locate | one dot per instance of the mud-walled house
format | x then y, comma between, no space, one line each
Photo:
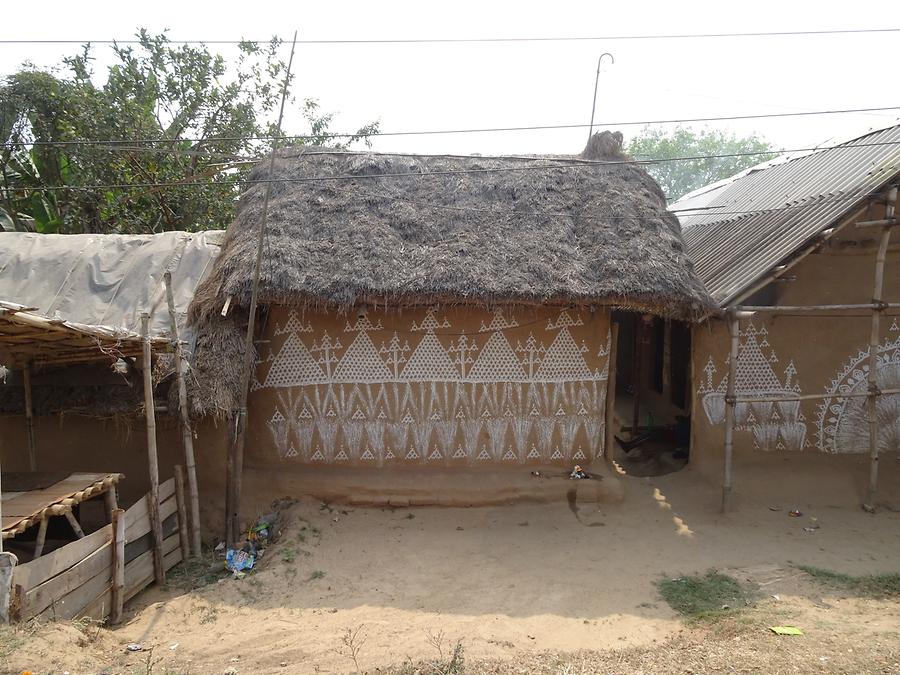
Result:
793,248
428,316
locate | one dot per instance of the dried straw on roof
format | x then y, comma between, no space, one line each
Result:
346,228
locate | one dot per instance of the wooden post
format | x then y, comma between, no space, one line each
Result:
118,566
874,341
187,437
29,418
182,511
41,538
111,502
636,373
234,465
609,441
667,361
730,403
159,572
76,526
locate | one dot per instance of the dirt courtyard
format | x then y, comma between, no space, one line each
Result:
524,581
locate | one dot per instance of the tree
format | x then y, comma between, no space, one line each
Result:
719,155
167,114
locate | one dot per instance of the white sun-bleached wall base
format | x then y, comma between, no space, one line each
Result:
430,387
810,354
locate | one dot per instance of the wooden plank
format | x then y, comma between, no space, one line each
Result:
152,458
99,608
72,604
117,597
38,571
144,543
139,572
139,509
137,529
182,511
41,597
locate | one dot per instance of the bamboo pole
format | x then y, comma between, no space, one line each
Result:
111,502
636,373
874,341
187,438
235,461
41,538
808,397
797,309
159,572
29,417
734,332
118,566
609,440
182,511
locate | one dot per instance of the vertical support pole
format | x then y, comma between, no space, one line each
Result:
874,341
730,403
8,562
637,372
111,502
29,418
187,437
667,360
234,466
182,512
41,537
118,565
609,440
159,572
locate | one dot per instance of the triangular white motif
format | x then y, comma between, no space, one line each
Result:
435,416
341,456
582,410
317,456
508,413
412,454
534,411
564,360
497,362
435,454
389,454
460,415
483,454
382,415
564,320
277,417
367,454
560,412
330,412
430,322
293,325
291,452
556,454
429,361
510,455
533,453
294,366
498,322
305,414
486,413
361,362
358,415
579,454
460,453
407,419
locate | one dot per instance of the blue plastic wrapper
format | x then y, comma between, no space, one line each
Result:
238,561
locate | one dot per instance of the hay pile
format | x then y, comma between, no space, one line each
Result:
400,229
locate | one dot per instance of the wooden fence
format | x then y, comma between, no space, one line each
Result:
85,578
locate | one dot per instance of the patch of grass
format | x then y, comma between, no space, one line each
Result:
410,516
317,574
706,596
868,585
195,573
288,555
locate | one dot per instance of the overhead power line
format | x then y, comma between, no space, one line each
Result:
544,127
469,40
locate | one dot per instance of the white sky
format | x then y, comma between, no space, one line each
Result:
452,86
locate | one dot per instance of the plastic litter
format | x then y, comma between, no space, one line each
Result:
238,561
134,647
785,630
578,473
795,513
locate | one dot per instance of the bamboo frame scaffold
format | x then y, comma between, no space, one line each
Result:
875,309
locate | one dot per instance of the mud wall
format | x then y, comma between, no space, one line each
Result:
822,354
430,387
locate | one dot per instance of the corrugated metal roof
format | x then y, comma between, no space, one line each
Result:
736,231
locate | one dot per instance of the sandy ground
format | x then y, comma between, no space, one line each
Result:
508,581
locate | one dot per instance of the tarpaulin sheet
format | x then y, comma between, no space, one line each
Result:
105,280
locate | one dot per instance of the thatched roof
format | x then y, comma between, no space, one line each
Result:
390,229
401,229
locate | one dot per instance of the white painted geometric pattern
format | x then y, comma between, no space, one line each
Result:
294,366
